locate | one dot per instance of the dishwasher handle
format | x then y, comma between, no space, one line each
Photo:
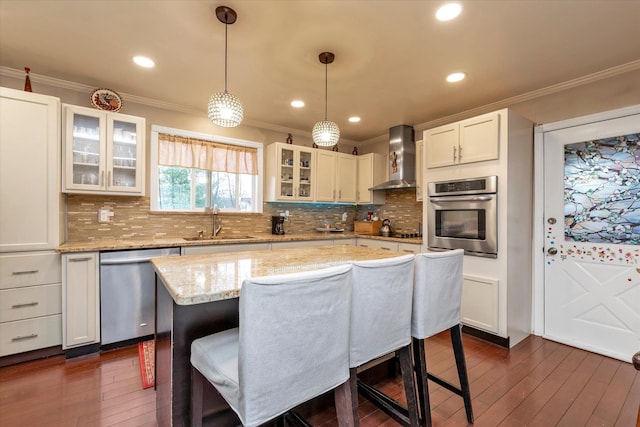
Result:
125,261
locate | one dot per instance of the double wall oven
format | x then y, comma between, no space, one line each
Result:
462,214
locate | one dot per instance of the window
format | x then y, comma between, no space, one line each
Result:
192,171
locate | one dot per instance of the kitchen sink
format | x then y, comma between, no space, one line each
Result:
222,239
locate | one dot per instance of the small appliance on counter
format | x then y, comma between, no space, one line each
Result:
277,225
386,230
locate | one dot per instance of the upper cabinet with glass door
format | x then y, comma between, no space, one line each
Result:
103,152
290,173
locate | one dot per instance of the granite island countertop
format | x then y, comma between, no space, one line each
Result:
196,279
144,243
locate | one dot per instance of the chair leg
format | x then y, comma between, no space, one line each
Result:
458,351
353,390
409,385
420,367
343,398
197,392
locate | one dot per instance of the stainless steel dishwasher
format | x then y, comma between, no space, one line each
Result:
127,293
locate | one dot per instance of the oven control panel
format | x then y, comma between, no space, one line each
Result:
483,185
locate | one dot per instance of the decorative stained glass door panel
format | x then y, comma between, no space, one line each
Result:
592,236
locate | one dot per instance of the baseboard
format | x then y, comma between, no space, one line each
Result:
28,356
486,336
70,353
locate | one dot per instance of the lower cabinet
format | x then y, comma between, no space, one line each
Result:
480,303
378,244
30,302
81,299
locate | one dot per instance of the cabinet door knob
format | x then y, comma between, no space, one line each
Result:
552,251
454,153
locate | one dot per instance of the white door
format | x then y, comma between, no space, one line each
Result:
592,234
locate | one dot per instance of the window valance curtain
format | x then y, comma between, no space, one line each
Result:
207,155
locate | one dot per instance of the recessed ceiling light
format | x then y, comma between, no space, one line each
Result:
354,119
297,104
456,77
448,11
143,61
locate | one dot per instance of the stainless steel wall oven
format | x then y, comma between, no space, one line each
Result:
462,214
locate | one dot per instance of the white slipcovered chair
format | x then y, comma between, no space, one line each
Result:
380,325
291,345
437,296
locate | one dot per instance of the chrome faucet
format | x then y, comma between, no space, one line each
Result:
214,213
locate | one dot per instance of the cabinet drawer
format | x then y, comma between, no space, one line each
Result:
29,269
378,244
31,334
33,301
410,248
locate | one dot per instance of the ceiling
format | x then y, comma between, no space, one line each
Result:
392,56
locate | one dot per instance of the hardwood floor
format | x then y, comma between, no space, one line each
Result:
537,383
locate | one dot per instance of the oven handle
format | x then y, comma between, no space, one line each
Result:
461,199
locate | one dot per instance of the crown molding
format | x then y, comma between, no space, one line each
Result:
538,93
81,87
590,78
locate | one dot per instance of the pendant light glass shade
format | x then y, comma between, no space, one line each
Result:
225,109
325,133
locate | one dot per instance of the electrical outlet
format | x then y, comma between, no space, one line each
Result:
104,215
344,217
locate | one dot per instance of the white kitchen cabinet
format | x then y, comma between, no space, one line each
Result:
493,302
378,244
325,176
479,306
371,171
290,173
80,299
346,178
30,301
29,171
419,174
216,249
467,141
104,153
336,176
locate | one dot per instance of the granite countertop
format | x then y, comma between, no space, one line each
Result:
196,279
121,244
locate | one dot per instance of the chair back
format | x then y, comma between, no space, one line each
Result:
437,292
294,339
380,307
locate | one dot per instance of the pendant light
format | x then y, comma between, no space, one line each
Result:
326,133
225,109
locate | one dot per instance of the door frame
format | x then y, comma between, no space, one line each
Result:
538,321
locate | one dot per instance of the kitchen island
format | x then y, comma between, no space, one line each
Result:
197,295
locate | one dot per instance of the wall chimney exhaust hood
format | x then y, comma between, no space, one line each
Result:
401,160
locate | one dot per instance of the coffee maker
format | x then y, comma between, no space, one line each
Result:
277,225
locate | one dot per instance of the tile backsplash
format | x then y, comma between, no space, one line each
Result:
132,218
400,207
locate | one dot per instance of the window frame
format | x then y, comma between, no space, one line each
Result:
153,169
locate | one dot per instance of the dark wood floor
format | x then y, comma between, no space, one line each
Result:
537,383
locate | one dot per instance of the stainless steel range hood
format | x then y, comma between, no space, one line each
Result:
402,159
